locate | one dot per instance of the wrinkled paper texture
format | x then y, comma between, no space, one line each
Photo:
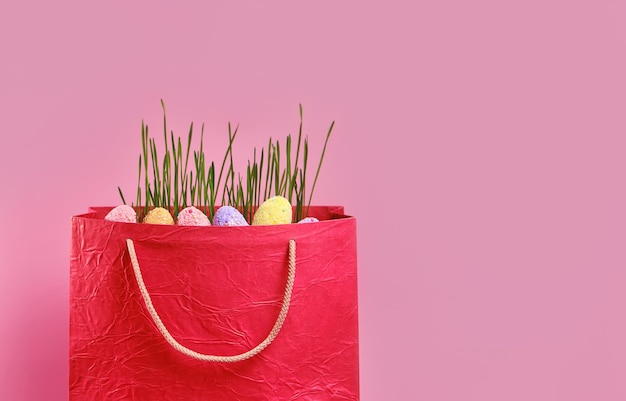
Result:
218,290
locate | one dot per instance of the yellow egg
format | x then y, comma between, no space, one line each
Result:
276,210
159,215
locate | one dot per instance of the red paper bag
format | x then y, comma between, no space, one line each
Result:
154,309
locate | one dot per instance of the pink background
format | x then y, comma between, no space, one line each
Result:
480,144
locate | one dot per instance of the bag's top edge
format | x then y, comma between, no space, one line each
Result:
323,213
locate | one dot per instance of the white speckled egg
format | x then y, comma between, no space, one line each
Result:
122,214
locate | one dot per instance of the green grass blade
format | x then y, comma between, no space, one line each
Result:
144,147
231,138
268,174
319,166
277,169
138,198
121,195
288,183
293,183
211,187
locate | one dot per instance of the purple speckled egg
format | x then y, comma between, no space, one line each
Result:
122,214
228,216
309,220
192,216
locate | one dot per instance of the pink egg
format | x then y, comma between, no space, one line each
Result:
122,214
192,216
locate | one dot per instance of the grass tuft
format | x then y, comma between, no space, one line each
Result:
169,183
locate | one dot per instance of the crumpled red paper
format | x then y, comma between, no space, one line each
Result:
219,291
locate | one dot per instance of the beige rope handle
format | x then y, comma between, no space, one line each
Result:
217,358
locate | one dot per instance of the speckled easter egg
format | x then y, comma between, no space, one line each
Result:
159,215
192,216
276,210
309,220
122,214
228,216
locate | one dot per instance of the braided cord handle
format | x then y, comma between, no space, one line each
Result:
216,358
